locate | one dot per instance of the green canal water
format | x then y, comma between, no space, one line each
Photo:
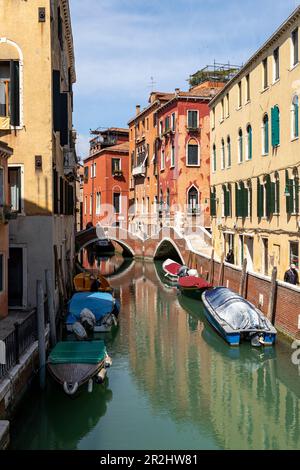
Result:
174,383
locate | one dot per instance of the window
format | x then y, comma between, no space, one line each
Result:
222,110
267,192
167,123
249,142
115,165
295,47
277,194
240,145
265,73
172,155
292,193
294,254
161,128
276,64
226,201
173,122
213,202
265,134
117,202
168,201
242,194
147,124
239,94
162,162
214,158
86,173
9,94
98,203
192,120
275,117
193,153
15,185
295,117
228,152
213,118
193,200
1,272
85,205
91,204
2,188
94,170
247,88
222,154
227,100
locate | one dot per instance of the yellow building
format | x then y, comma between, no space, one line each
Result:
255,155
36,77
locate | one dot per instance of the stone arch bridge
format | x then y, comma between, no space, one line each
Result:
167,242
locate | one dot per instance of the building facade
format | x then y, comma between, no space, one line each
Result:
106,180
184,157
5,214
143,147
255,151
37,73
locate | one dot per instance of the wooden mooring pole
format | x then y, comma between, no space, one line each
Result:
242,290
41,332
51,309
211,274
221,273
272,298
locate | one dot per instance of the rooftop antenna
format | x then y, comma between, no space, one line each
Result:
151,85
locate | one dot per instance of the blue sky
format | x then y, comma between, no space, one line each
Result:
121,44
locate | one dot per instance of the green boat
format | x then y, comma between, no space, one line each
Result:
73,364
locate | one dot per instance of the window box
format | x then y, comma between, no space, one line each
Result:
6,214
118,173
193,129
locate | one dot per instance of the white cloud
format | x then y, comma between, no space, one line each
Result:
82,145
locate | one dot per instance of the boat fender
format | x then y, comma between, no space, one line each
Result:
193,272
90,386
100,377
108,361
79,331
114,320
70,388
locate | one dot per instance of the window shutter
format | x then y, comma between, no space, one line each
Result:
64,125
237,201
14,93
213,211
289,198
227,196
268,196
260,195
297,195
275,126
56,99
245,202
277,189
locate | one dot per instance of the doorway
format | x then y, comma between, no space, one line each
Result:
16,279
265,260
249,254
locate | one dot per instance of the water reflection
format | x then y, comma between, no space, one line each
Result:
175,383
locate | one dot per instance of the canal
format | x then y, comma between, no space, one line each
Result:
174,383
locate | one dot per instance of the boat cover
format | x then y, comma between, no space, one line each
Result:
78,352
99,303
193,281
236,311
172,268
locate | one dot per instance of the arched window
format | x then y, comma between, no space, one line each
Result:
295,117
249,142
193,200
292,192
228,152
222,154
193,153
214,158
240,145
265,134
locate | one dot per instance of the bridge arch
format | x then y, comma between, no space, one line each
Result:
166,248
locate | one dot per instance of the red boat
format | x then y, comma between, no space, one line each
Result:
193,286
171,268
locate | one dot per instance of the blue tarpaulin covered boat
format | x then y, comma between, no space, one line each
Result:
235,318
103,306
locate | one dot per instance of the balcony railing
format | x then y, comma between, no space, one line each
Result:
139,170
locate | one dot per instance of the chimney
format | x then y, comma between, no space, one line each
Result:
177,90
138,109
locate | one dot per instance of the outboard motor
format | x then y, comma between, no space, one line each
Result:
88,320
183,271
79,331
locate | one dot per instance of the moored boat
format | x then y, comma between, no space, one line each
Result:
236,319
193,286
83,282
96,311
74,363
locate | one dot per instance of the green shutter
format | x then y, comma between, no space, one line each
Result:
245,202
237,202
213,211
14,93
260,195
227,195
268,196
273,127
289,197
275,114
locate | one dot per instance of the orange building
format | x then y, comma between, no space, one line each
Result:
143,164
184,156
5,213
106,179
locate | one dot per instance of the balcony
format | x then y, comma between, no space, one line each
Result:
139,170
